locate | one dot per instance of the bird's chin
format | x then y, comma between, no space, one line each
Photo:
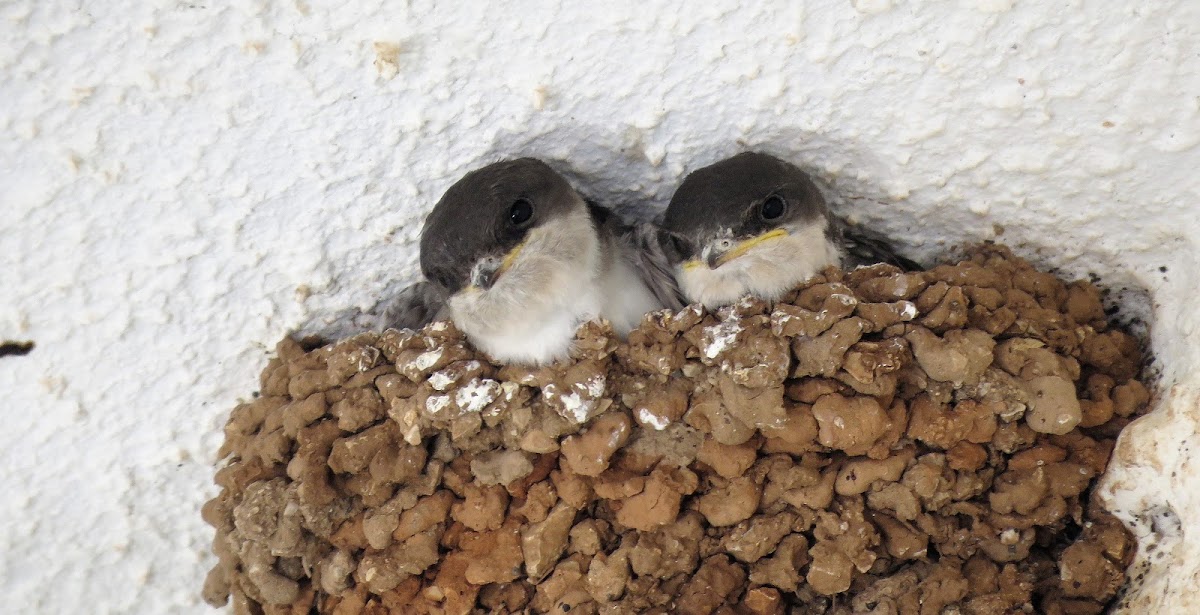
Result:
476,309
712,288
543,293
512,325
767,270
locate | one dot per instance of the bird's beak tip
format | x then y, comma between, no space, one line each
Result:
741,248
488,271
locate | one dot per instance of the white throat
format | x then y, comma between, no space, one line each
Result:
767,270
564,276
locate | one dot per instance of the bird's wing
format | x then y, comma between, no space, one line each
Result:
864,246
651,252
414,307
648,248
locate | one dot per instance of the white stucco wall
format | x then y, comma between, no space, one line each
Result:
182,182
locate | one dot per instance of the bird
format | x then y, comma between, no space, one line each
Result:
517,259
756,225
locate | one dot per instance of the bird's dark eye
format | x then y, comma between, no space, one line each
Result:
773,207
520,212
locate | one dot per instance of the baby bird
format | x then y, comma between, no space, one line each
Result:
756,225
517,259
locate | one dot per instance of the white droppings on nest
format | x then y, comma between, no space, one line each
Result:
844,299
646,417
663,364
1013,411
908,309
368,356
899,283
574,406
595,386
720,337
440,380
1009,537
436,403
509,390
427,359
580,403
410,423
475,395
779,321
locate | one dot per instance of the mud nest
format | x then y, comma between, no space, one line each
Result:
875,442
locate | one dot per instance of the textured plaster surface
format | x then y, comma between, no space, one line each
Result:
182,182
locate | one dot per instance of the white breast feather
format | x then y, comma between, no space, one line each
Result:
562,278
626,297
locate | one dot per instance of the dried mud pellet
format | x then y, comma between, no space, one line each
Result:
965,274
755,538
1053,406
1129,397
950,312
809,390
661,406
495,555
501,467
659,501
536,503
960,357
857,475
831,571
966,456
902,540
849,424
796,435
782,568
717,580
608,575
893,287
428,512
482,508
823,355
300,414
1084,571
731,503
589,453
544,542
728,461
943,426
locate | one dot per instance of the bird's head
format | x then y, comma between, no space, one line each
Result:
480,228
748,224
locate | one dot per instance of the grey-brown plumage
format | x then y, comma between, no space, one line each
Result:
755,224
518,260
416,306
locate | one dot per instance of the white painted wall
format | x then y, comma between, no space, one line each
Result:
184,181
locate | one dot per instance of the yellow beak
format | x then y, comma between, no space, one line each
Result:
506,263
720,258
510,258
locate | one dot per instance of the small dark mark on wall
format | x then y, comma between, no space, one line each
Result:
9,348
